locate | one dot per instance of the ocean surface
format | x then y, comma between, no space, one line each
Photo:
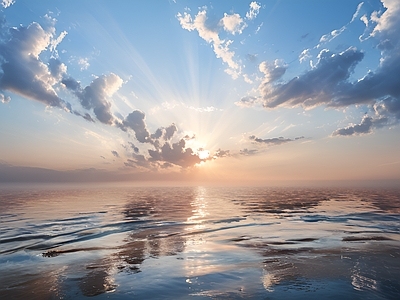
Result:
199,243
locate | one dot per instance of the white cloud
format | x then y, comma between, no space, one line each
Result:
4,99
332,35
54,42
259,27
355,15
233,23
304,55
365,20
388,24
210,34
247,79
248,101
7,3
83,63
254,10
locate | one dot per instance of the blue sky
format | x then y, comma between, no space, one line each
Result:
262,91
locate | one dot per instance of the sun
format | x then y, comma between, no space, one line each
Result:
203,154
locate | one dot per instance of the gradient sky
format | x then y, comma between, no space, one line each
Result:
220,91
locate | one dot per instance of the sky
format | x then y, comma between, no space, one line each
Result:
259,92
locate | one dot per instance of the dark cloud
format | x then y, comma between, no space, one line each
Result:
86,116
272,141
176,154
115,153
247,152
138,161
157,134
71,84
188,137
325,83
136,121
95,96
57,68
170,131
134,148
167,132
221,153
365,127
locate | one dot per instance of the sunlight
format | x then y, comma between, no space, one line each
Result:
204,154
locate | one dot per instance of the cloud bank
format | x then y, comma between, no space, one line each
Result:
329,81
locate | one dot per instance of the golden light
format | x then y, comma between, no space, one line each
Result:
203,154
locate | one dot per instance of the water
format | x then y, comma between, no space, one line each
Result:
199,242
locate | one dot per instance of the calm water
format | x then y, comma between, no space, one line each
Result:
200,243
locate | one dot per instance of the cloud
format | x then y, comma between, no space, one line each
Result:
136,121
209,33
170,131
357,13
272,71
23,72
388,22
233,23
332,35
272,141
335,33
254,10
138,161
115,153
247,101
325,83
304,55
363,128
388,106
7,3
134,148
57,68
221,153
54,42
95,96
247,152
176,154
328,81
259,28
4,99
83,63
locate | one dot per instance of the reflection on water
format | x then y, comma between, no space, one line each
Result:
199,242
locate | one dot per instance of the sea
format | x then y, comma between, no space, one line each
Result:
121,242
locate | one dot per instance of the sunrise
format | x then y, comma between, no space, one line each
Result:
242,144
